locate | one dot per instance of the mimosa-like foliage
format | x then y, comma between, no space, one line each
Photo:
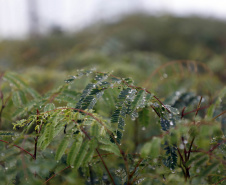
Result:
83,136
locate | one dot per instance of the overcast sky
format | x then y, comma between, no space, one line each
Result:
74,14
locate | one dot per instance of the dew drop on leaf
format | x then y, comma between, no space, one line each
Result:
181,146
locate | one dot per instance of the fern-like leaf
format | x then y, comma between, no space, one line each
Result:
81,154
109,146
62,147
75,147
171,156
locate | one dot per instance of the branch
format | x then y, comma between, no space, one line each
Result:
105,166
198,106
195,110
56,174
132,173
219,115
189,151
212,149
19,148
221,181
181,156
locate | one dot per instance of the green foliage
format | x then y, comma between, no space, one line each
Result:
167,127
86,134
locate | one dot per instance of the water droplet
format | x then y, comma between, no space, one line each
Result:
178,93
181,146
165,75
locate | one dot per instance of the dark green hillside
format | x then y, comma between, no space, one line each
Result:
174,38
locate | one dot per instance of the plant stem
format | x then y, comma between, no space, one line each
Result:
105,166
221,181
109,174
19,148
56,174
133,172
189,151
219,115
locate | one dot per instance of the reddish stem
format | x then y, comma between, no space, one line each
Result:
219,115
133,172
162,104
105,166
195,110
212,149
221,181
189,151
56,174
19,148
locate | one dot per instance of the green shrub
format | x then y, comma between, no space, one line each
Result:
97,128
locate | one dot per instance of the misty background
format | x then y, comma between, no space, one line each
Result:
20,18
129,37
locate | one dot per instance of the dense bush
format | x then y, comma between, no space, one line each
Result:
101,129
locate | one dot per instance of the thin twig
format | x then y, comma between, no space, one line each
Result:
109,174
189,151
195,110
133,172
220,181
19,148
162,104
56,174
219,115
181,156
105,167
212,149
198,106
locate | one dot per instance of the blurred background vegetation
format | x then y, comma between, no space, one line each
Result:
134,46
